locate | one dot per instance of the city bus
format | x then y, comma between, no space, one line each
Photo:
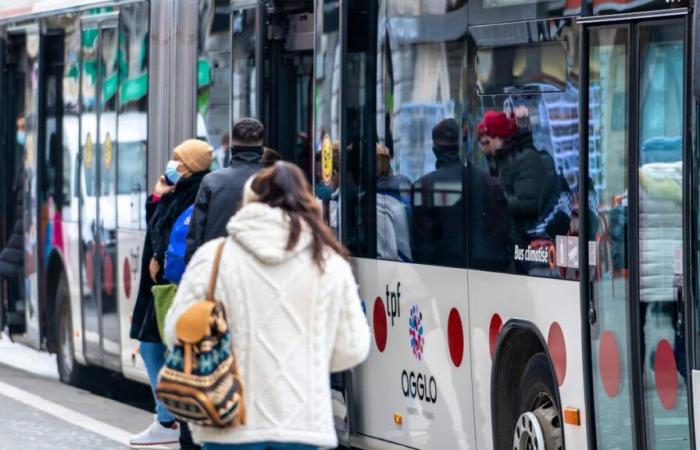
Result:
496,324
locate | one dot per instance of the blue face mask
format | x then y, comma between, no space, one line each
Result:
21,137
172,176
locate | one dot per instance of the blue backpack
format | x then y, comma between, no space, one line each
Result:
175,254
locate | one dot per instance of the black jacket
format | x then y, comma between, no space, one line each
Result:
160,216
220,197
12,256
528,177
457,208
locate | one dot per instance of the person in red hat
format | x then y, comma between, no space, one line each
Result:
495,130
525,174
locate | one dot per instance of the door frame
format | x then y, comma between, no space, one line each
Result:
100,22
632,21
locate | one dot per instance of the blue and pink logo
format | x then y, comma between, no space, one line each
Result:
415,323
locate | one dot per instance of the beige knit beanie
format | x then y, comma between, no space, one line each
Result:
196,155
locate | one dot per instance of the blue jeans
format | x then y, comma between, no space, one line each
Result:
260,446
153,354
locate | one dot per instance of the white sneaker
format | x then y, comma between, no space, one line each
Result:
156,434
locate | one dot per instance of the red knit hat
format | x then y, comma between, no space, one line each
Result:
497,124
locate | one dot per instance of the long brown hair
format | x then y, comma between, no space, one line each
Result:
284,186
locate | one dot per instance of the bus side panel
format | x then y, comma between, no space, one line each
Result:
415,387
71,260
128,275
544,303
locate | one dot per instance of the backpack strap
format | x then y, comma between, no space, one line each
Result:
215,271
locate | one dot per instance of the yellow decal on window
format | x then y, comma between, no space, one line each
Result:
327,159
88,150
108,151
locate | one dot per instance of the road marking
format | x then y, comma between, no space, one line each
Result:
68,415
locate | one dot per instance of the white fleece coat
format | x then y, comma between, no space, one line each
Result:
291,325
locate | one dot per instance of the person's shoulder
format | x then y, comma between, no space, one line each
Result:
206,251
336,266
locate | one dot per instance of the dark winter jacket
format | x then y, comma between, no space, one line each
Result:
455,208
220,197
160,216
12,256
528,178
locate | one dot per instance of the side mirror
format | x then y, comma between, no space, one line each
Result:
696,51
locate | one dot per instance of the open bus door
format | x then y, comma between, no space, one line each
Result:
20,135
634,85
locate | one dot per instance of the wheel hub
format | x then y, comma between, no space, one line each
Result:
539,429
528,433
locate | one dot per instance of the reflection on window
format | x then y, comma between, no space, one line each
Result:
213,75
517,69
133,117
70,126
243,91
327,111
528,142
661,222
421,170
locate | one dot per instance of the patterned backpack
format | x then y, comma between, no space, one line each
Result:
200,382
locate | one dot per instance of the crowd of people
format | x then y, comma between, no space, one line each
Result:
284,279
280,266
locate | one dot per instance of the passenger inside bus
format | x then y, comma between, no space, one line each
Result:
393,210
12,255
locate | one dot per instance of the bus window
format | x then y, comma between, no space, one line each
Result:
213,75
526,137
421,163
358,190
327,110
133,117
244,88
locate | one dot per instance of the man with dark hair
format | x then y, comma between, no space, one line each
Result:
221,192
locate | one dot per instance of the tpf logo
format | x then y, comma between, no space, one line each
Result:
415,330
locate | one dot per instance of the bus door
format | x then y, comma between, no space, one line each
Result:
634,88
286,83
20,116
98,131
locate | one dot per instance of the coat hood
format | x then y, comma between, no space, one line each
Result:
263,231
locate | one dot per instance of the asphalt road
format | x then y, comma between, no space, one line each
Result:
41,413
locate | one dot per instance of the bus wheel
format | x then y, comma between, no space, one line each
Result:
539,421
69,370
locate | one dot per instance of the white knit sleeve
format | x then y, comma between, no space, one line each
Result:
191,289
352,337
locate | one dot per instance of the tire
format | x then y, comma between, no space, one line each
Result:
69,371
539,420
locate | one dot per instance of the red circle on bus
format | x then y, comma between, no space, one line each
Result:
494,330
665,375
108,274
609,363
455,337
557,350
379,321
127,278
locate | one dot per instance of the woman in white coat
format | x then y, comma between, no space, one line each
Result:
293,309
